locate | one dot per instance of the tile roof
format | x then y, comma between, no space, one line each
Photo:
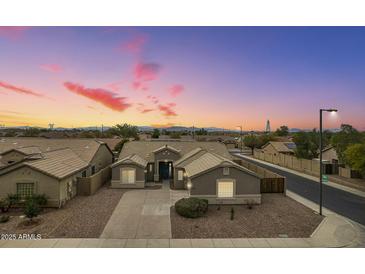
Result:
208,161
145,149
84,148
182,161
282,146
132,159
58,163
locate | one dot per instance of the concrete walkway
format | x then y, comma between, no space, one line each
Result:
143,214
334,231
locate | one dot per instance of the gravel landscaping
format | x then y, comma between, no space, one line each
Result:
82,217
277,216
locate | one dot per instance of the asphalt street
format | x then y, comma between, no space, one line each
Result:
342,202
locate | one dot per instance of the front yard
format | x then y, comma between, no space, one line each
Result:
277,216
82,217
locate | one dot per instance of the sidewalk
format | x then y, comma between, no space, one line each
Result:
334,231
313,178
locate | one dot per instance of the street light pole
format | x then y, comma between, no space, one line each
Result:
320,161
241,138
320,156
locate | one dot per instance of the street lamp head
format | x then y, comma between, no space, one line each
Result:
330,110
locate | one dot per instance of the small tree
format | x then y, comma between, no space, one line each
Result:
251,141
31,210
118,147
346,137
355,157
125,131
156,133
282,131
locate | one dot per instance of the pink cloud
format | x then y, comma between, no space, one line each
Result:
146,71
20,90
176,90
154,99
143,109
167,110
116,86
105,97
135,45
51,68
12,32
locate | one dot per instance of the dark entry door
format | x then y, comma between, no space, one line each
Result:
165,170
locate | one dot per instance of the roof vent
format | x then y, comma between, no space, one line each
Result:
87,147
15,143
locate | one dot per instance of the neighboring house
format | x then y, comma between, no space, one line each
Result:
329,154
144,136
49,166
205,168
279,147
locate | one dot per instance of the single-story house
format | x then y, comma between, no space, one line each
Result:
206,169
329,154
49,166
279,147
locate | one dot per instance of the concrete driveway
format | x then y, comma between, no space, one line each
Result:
143,214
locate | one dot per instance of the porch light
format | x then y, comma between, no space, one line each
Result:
189,185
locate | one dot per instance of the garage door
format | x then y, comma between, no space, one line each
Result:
225,188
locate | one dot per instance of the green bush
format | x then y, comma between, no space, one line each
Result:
31,209
4,205
191,207
40,199
4,218
13,199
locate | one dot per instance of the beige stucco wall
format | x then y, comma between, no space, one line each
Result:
89,185
102,158
43,184
11,156
116,177
246,186
329,155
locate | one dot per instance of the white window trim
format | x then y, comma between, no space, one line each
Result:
131,175
225,194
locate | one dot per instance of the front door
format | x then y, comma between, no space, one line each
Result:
165,170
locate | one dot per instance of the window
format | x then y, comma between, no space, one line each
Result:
93,170
128,175
225,189
83,173
180,175
226,171
24,190
151,167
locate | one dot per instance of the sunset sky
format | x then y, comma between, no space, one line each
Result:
202,76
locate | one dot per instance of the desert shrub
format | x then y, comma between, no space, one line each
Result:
13,199
191,207
250,204
4,205
39,199
31,209
232,213
4,218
